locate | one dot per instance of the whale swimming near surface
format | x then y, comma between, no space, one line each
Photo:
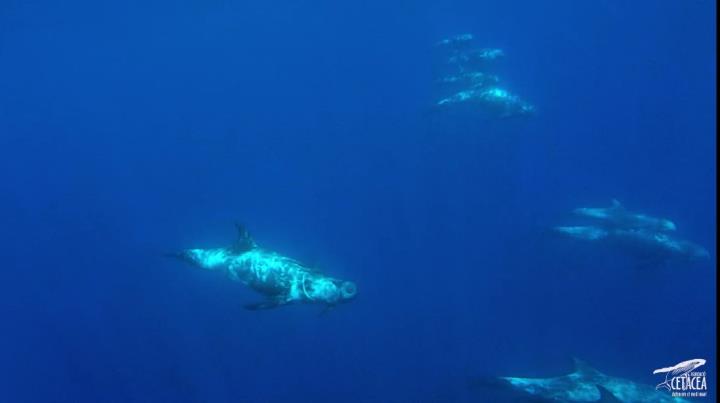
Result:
584,384
616,216
280,279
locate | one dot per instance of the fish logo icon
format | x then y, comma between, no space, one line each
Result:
681,370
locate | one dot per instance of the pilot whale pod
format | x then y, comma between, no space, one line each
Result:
280,279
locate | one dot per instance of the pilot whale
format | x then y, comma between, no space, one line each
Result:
657,245
584,384
457,42
652,246
472,79
617,216
475,59
280,279
494,100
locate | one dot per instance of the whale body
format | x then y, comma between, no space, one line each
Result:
475,59
457,42
646,244
494,100
616,216
658,245
280,279
472,79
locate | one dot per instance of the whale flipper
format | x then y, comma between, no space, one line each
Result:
244,241
269,303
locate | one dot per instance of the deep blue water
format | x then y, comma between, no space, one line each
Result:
130,129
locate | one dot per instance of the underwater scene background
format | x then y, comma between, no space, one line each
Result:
129,130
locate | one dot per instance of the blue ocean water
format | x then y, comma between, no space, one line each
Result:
131,129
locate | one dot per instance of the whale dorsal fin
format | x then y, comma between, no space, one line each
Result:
605,395
616,204
582,367
244,241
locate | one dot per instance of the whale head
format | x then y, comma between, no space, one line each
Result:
330,291
348,291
